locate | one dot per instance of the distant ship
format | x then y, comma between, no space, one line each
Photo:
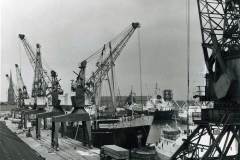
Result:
132,107
161,107
193,111
156,106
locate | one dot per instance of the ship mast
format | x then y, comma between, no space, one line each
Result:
140,66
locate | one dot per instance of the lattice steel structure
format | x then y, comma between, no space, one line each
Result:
22,89
219,22
41,78
39,84
217,134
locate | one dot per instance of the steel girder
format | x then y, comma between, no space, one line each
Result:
26,113
79,115
219,17
219,138
45,115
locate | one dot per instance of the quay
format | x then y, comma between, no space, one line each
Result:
69,149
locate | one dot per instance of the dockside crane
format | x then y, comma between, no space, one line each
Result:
92,86
43,85
220,28
55,90
42,80
39,82
39,86
108,54
21,87
41,77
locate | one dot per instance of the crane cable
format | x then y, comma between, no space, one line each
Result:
140,65
20,56
20,64
113,41
188,60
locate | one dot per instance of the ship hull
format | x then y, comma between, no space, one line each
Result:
158,115
163,115
128,134
123,137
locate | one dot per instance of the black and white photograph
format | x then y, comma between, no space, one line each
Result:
119,80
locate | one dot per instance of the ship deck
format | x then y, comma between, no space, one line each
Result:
69,149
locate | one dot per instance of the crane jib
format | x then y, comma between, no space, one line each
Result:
105,65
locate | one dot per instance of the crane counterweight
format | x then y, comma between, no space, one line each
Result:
21,36
136,25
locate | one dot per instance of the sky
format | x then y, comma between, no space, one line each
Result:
69,31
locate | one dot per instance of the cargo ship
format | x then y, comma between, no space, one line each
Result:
161,108
127,132
110,126
124,131
131,106
157,106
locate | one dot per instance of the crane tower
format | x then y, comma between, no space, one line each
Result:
220,28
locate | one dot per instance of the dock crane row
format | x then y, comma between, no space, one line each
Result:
91,87
20,91
41,77
220,28
41,83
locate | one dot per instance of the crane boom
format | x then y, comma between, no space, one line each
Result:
32,57
41,77
105,64
28,48
20,83
39,83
